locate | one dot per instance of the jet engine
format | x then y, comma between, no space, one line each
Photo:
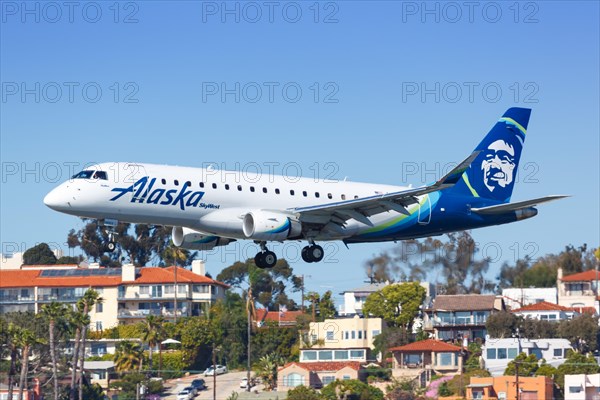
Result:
268,225
193,240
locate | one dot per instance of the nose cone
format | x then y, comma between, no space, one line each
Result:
55,200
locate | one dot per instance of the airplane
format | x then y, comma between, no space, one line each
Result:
209,208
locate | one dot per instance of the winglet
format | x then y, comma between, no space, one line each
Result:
454,176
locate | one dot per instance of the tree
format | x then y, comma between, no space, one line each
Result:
501,324
266,370
53,312
25,341
303,393
77,320
398,304
582,332
326,306
528,365
268,285
14,332
39,255
546,370
351,389
128,356
153,333
85,304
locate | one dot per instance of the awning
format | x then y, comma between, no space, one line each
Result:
479,385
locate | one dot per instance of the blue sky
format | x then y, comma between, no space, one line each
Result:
387,92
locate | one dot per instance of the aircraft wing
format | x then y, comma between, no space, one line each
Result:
362,208
504,208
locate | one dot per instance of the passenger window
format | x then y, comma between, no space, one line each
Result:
343,197
317,195
252,189
201,184
276,191
214,185
240,188
264,190
355,196
226,186
291,192
304,193
176,182
329,196
163,181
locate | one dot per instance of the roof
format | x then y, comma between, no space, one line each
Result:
585,276
80,277
98,364
427,345
264,315
324,366
464,302
543,306
369,288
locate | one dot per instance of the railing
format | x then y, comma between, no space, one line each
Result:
52,297
145,313
7,299
473,321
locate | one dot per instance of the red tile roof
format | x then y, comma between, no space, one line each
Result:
147,275
542,306
330,366
464,302
263,315
585,276
427,345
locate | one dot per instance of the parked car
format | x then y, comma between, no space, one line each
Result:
244,383
192,389
220,369
185,394
199,384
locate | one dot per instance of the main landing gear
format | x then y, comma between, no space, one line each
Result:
312,253
265,258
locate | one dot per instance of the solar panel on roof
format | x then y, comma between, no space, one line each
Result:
80,272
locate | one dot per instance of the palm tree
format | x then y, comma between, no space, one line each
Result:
52,313
128,355
25,341
266,369
89,299
14,333
251,311
77,320
313,297
153,333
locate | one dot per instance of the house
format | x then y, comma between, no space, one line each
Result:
582,387
454,317
426,357
519,297
545,311
129,293
316,374
341,339
281,317
354,299
100,347
505,388
27,394
497,353
578,290
100,372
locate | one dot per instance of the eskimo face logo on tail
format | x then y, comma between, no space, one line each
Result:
162,196
498,165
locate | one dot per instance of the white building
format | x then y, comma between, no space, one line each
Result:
497,353
579,290
582,387
519,297
545,311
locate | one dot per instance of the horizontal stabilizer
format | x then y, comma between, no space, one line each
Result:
504,208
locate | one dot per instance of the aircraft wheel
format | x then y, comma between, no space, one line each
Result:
316,253
306,255
269,259
111,246
259,260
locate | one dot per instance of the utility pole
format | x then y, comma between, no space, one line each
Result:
302,307
175,293
214,360
517,378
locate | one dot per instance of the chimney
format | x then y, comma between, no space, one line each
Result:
128,273
559,286
199,267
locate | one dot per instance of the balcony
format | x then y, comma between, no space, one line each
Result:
52,297
17,299
472,321
141,314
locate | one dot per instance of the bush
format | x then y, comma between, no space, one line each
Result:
303,393
172,364
353,390
374,374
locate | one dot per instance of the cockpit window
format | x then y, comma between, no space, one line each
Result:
90,174
83,175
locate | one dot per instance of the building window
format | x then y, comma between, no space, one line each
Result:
574,389
360,334
169,289
327,379
200,288
357,354
353,334
182,289
491,354
309,355
144,289
325,355
557,352
340,354
446,359
98,325
346,377
512,353
477,394
375,332
293,380
99,307
501,354
329,335
157,291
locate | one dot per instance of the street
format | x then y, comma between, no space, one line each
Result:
226,384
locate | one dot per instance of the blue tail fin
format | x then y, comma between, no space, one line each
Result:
492,174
